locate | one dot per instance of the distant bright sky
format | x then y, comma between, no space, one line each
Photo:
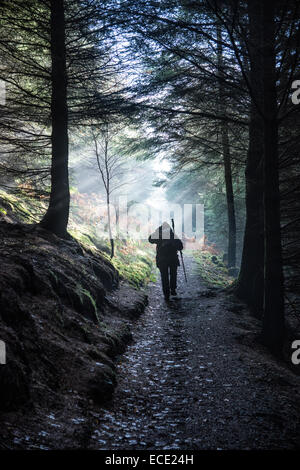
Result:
157,198
161,166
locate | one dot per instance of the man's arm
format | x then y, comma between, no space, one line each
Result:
152,240
179,244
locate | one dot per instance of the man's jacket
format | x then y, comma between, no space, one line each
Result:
167,245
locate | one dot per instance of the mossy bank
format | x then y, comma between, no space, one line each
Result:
65,315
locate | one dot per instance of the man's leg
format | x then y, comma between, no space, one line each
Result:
165,281
173,279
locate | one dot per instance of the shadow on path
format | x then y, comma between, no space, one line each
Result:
190,380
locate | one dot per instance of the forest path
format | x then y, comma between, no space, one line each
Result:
192,380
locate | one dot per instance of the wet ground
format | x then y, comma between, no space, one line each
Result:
195,378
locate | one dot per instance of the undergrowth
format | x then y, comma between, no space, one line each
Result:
212,269
133,258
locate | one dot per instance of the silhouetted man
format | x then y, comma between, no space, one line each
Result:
167,245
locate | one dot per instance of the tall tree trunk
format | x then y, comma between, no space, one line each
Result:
250,284
273,319
107,186
57,215
226,160
229,197
111,239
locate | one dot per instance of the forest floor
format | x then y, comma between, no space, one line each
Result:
193,377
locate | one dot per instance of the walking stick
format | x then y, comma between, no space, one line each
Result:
183,266
180,254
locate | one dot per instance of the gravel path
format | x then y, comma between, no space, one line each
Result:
191,379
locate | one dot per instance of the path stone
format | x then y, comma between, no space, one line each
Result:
189,380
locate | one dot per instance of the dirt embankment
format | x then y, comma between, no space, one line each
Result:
64,316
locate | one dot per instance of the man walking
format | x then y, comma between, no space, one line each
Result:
167,245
